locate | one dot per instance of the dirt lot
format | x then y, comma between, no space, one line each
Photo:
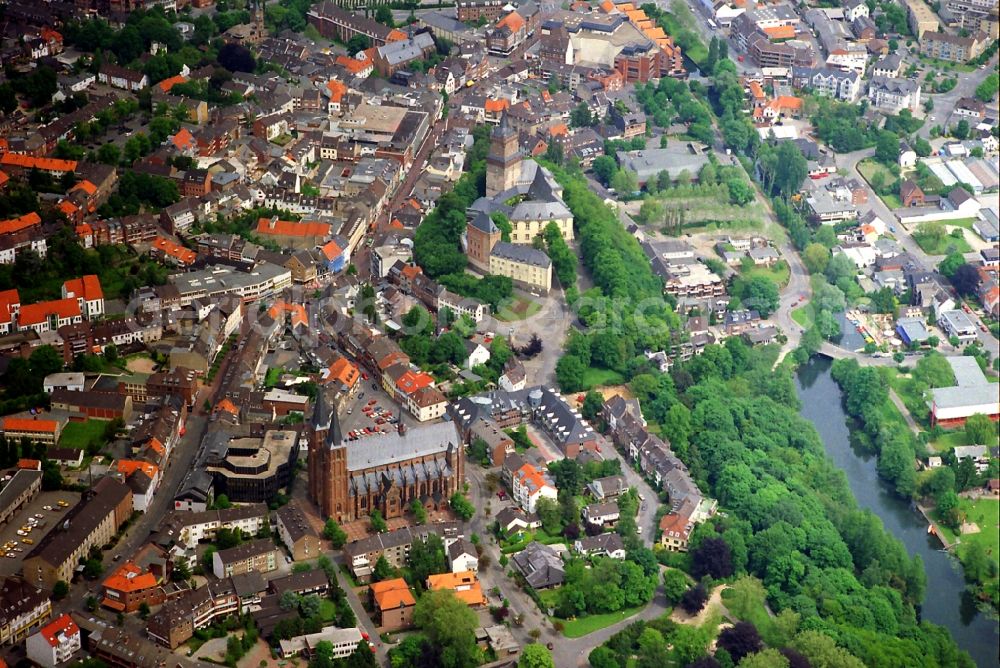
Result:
11,566
141,365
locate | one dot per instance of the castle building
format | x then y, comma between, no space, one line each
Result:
525,195
503,163
384,472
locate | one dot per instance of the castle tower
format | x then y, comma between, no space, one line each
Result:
503,164
481,235
328,478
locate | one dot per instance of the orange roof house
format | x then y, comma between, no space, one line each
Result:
56,631
412,381
331,250
129,587
496,106
778,33
297,312
128,466
342,371
608,7
226,406
174,250
167,84
88,288
337,90
29,464
358,66
21,223
464,584
391,594
288,228
514,21
184,140
42,164
559,130
396,36
36,314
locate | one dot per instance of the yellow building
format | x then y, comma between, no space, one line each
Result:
920,17
526,266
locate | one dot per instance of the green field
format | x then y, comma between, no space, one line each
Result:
779,273
934,245
985,513
601,378
81,434
803,315
517,308
949,440
581,626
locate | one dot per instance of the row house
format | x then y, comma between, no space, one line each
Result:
122,77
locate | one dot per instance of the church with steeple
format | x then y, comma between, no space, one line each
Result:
384,472
524,194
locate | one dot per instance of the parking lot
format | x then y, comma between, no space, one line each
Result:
50,518
364,411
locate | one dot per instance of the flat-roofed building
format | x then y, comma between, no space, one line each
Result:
296,532
971,394
920,17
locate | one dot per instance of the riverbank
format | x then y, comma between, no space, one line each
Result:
947,602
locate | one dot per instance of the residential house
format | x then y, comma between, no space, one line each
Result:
54,643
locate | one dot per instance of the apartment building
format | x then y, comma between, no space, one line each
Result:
256,556
93,521
23,607
54,643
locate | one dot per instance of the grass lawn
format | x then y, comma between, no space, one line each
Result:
779,273
949,440
940,245
581,626
81,434
868,168
986,514
599,377
911,395
273,374
892,201
327,610
517,308
803,315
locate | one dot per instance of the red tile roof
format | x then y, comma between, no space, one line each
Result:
174,250
87,288
44,164
129,578
167,84
289,228
332,250
17,224
29,425
34,314
63,625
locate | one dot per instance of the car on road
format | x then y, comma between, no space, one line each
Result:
47,508
27,541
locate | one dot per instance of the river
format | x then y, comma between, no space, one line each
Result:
946,602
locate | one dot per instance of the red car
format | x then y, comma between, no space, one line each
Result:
364,376
373,402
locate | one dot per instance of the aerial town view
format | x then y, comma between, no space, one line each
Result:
502,333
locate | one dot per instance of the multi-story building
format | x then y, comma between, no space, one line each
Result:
977,15
22,608
129,586
529,485
470,11
187,529
33,429
177,621
920,17
953,48
88,293
894,95
394,546
54,643
93,521
335,23
256,556
840,85
296,532
22,488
